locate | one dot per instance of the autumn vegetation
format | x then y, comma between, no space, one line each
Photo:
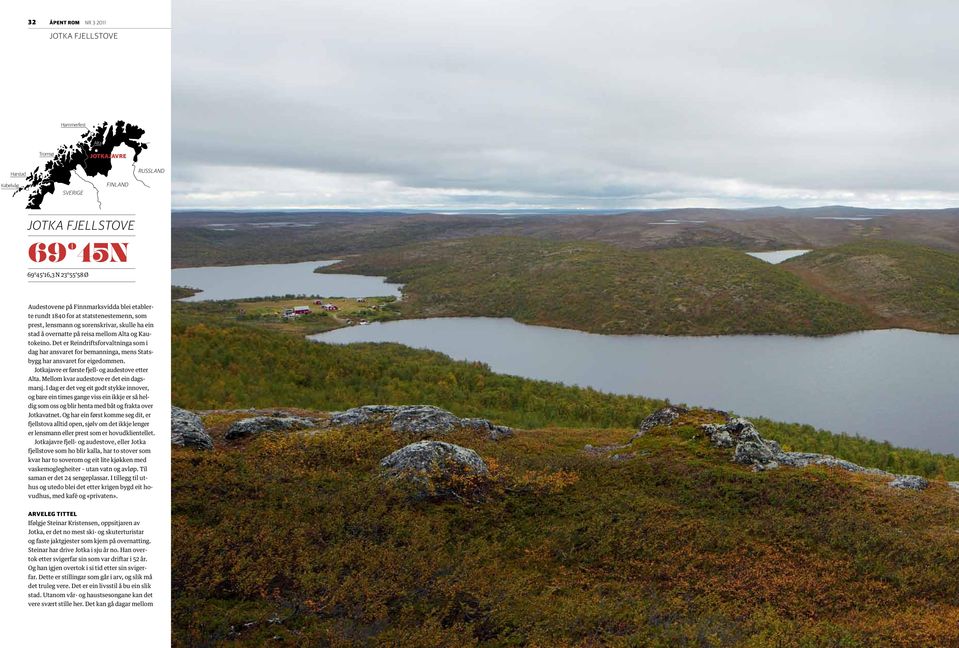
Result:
901,284
233,366
681,291
603,289
294,540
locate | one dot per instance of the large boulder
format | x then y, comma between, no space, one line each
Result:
749,447
433,466
260,424
186,430
423,421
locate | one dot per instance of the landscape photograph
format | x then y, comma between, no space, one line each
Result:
565,324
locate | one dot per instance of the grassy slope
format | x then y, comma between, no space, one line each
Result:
600,288
294,541
905,285
238,367
215,367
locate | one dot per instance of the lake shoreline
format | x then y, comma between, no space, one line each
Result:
322,278
225,283
897,378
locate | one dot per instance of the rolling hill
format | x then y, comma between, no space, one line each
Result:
904,285
605,289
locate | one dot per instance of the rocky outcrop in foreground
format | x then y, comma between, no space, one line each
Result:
186,430
259,424
424,421
431,466
663,416
751,449
417,421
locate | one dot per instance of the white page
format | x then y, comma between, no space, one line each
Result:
71,67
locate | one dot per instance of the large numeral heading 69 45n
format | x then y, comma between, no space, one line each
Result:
41,252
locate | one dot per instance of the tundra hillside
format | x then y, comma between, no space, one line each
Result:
906,285
296,538
603,289
693,291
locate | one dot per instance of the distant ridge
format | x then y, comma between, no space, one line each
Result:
243,237
770,211
775,211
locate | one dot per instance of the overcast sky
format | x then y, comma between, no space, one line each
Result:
449,104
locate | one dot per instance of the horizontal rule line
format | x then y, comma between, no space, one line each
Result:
94,214
106,233
54,269
78,281
104,28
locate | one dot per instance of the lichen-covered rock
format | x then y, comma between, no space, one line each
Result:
663,416
910,482
751,449
186,430
720,437
803,459
953,485
362,415
724,435
757,454
492,431
260,424
428,455
424,421
432,466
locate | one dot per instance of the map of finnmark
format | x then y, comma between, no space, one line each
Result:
93,153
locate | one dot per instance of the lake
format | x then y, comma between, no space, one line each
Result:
240,282
892,385
777,256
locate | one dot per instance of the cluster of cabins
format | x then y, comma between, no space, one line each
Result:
326,307
297,311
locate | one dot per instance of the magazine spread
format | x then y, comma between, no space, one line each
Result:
480,323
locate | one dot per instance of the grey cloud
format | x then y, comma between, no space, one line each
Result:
583,104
